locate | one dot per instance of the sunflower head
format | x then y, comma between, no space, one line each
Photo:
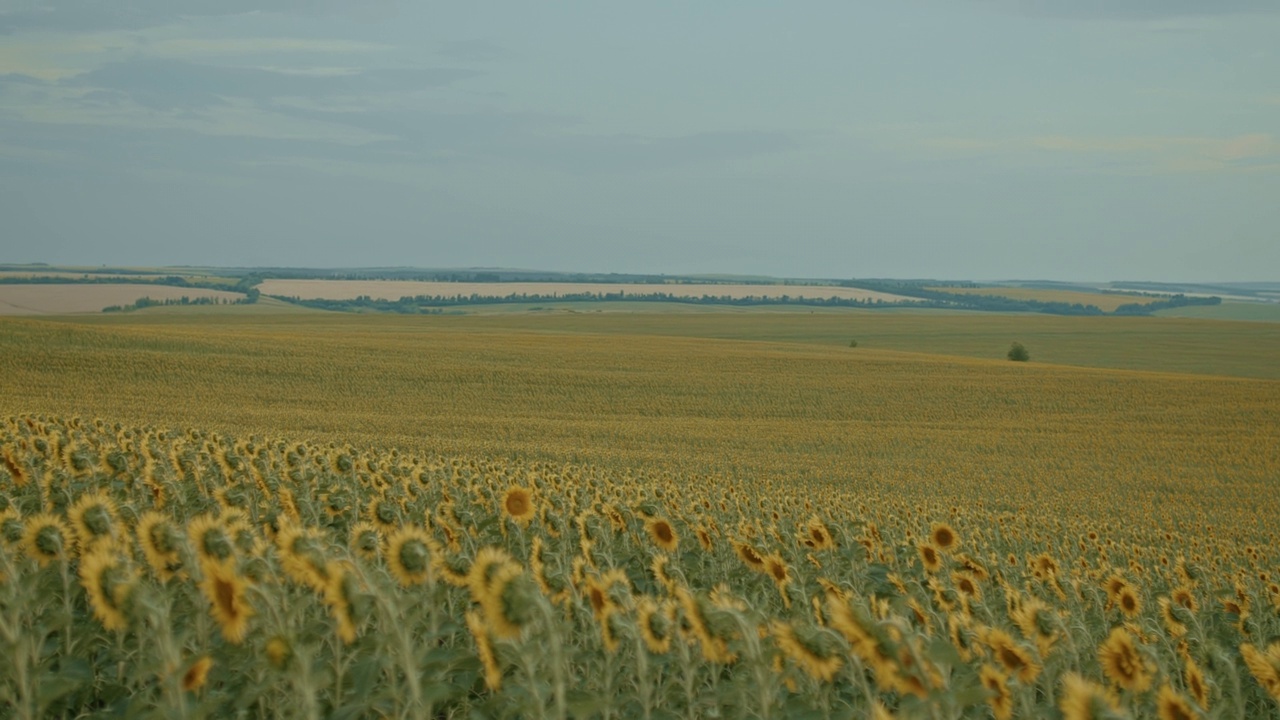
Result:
517,504
197,674
1085,700
944,537
109,582
408,555
662,534
47,539
1123,662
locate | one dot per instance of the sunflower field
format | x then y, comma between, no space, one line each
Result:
160,572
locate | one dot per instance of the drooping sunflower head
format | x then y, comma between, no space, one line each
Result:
46,538
210,538
656,621
109,581
366,541
749,556
93,516
1264,666
408,554
817,651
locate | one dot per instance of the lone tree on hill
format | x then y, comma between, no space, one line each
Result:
1018,353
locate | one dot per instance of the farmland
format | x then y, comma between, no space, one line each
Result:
69,298
1107,302
395,289
630,514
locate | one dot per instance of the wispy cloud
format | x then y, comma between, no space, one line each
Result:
1124,154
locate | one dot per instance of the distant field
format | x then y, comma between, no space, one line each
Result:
1255,311
396,289
60,299
1105,301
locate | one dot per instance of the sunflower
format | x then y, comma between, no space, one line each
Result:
817,536
279,652
1016,659
929,557
663,535
1265,667
749,556
1129,602
225,591
10,527
340,596
109,582
517,504
1170,705
302,557
210,538
714,648
484,649
160,543
704,538
944,537
656,621
816,652
1184,596
197,675
408,555
966,584
1123,663
660,572
1193,676
1038,623
1085,700
93,517
997,684
1169,614
47,539
366,541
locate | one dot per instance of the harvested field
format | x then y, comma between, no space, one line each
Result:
1107,302
64,299
396,289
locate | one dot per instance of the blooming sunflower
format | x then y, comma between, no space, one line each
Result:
815,652
1264,666
944,537
1129,602
1193,676
1014,658
1170,705
662,534
210,538
1123,663
340,597
999,697
817,536
225,590
749,556
1085,700
517,504
929,557
197,674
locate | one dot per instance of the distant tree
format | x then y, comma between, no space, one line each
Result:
853,343
1018,353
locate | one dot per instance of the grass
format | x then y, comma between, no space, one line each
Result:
1250,311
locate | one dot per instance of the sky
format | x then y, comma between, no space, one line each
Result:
1087,140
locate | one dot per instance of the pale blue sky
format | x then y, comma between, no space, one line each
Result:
979,139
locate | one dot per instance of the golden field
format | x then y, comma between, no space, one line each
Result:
613,516
396,289
70,298
1107,302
